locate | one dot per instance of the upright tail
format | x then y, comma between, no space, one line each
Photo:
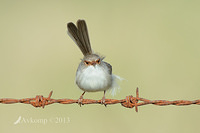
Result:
80,35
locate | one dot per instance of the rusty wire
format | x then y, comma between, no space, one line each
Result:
128,102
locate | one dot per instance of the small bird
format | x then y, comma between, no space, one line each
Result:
93,74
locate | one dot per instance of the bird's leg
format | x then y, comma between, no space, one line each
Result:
81,99
103,99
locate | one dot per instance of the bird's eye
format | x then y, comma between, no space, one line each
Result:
86,62
98,61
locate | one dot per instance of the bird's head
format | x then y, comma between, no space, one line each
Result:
92,60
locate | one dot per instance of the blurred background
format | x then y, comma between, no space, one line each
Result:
154,45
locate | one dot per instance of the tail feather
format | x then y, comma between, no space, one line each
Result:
80,36
83,33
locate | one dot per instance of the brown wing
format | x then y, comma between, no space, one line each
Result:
109,67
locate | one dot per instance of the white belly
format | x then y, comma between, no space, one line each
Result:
93,79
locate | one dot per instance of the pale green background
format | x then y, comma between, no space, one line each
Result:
154,45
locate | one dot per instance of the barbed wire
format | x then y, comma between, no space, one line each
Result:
128,102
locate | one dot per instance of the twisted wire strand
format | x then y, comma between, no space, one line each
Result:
128,102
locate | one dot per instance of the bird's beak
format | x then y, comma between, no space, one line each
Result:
93,63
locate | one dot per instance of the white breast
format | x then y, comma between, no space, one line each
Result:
94,79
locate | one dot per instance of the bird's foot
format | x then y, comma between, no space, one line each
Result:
103,101
80,100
